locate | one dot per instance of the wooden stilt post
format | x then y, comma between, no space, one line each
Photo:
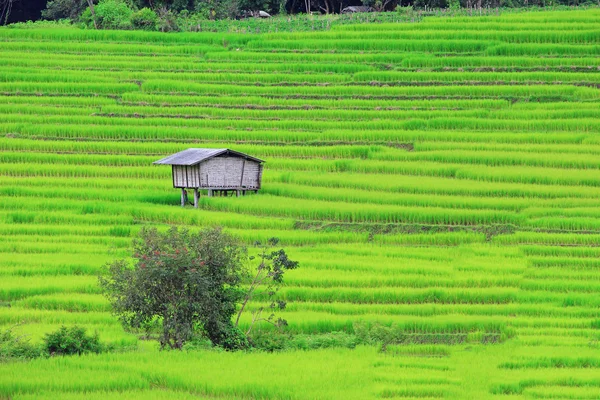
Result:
183,197
210,193
237,193
196,197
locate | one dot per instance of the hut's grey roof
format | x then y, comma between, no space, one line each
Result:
357,9
195,156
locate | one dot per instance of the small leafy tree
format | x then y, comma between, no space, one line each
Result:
189,281
266,283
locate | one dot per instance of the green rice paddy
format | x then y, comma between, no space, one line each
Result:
440,177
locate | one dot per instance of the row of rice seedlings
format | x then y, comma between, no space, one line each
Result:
550,239
531,15
544,50
276,77
496,62
563,392
323,279
382,266
524,149
72,240
548,272
381,129
433,185
62,269
318,114
63,217
538,20
560,286
74,171
249,102
102,184
166,65
149,59
103,62
135,150
76,159
64,36
376,266
14,288
297,238
563,385
134,373
360,196
503,77
24,211
343,212
435,310
406,296
50,109
591,212
257,113
70,88
553,362
573,253
52,77
431,239
248,111
562,263
84,250
348,45
531,175
98,320
81,303
58,128
471,24
565,223
58,101
316,58
565,92
500,158
106,48
371,167
249,78
589,36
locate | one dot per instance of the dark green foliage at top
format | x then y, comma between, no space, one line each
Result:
61,9
187,15
71,341
188,281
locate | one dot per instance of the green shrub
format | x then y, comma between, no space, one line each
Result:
110,14
16,347
145,19
68,341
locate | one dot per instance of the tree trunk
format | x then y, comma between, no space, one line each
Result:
5,9
91,4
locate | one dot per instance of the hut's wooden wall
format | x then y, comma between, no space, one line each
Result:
219,172
186,176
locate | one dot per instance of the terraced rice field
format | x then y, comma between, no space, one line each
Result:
442,177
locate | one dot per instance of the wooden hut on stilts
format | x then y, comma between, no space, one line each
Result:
219,171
